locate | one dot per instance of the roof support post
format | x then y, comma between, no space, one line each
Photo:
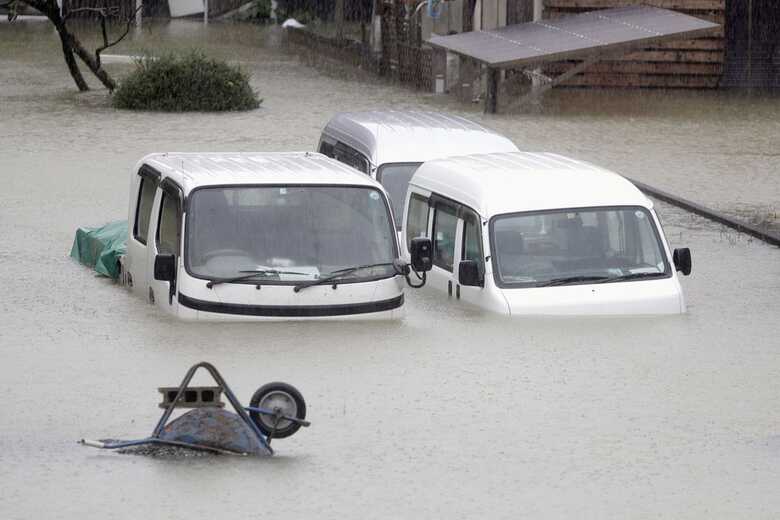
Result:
468,72
439,70
491,97
338,15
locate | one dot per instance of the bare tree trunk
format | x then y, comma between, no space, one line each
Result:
70,60
71,45
92,63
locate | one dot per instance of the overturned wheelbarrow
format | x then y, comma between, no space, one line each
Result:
276,410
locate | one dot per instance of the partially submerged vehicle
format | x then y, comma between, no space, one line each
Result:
390,145
260,235
542,234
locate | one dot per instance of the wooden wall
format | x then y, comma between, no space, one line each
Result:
697,63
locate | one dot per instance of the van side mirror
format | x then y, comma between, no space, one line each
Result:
682,260
165,267
420,250
468,273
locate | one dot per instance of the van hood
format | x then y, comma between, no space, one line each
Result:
645,297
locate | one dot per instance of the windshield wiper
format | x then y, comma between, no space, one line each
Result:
251,274
573,279
632,276
338,274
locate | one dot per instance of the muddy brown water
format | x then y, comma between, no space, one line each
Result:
449,413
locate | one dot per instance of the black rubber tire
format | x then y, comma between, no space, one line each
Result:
290,390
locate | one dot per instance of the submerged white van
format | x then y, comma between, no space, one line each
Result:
542,234
261,235
390,145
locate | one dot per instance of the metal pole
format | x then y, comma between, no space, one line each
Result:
205,12
439,70
491,98
538,9
750,43
138,14
339,18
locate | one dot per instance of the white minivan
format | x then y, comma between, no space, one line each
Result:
542,234
390,145
216,236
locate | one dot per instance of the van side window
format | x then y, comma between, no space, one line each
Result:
417,219
326,149
444,224
169,226
472,239
143,210
350,157
395,178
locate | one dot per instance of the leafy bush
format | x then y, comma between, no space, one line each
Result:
189,82
260,11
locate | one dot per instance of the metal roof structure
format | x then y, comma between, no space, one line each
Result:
590,36
499,183
573,37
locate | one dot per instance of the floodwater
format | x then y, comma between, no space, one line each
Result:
449,413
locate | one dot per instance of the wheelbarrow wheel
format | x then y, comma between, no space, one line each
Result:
287,399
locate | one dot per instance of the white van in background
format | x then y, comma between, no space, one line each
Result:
390,145
541,234
216,236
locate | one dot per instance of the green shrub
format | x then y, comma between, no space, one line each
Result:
260,11
188,82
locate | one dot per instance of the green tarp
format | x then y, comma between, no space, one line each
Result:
101,247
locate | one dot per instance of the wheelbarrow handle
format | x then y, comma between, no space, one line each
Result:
94,444
265,411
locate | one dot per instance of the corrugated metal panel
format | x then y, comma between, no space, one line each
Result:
574,37
678,63
208,167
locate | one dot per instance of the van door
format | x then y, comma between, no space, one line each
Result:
444,237
167,240
143,189
470,247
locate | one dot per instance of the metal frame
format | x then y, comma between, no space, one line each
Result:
590,55
537,91
154,438
225,390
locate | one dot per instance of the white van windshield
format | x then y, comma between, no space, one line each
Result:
395,178
288,234
576,246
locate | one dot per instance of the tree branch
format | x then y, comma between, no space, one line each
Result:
105,13
106,44
70,43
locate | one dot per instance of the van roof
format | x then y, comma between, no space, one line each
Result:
391,136
191,170
494,184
